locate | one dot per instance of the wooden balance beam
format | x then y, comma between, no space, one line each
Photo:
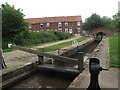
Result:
39,53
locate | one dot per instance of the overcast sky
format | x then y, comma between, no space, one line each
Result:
50,8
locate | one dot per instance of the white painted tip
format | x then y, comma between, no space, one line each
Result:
9,45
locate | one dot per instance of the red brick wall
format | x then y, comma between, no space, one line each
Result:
108,32
54,26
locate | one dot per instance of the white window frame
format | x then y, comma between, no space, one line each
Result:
66,23
48,29
78,23
60,29
78,30
41,24
59,24
66,30
48,24
30,26
41,29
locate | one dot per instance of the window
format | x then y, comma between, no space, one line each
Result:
78,23
66,23
48,29
60,29
41,29
78,30
70,31
41,25
48,24
59,24
66,29
30,26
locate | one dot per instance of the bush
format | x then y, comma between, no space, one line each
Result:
39,37
61,35
34,38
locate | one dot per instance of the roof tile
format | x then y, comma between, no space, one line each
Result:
54,19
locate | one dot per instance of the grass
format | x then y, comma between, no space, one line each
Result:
30,46
8,50
114,61
61,45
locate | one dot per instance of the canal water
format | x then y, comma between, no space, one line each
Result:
51,80
42,80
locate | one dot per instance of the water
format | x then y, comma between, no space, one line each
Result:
42,80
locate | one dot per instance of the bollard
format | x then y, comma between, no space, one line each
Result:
94,69
40,59
80,61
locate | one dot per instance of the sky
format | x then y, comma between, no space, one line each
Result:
51,8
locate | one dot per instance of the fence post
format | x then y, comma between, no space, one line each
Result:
40,59
80,61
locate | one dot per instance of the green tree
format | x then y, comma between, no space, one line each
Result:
108,23
116,19
94,21
13,25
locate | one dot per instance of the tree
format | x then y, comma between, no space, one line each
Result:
94,21
13,25
108,22
116,19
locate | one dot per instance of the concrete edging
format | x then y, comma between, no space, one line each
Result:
13,76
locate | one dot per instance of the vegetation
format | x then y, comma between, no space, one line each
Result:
114,61
61,45
95,21
116,19
108,23
13,25
40,38
43,37
15,30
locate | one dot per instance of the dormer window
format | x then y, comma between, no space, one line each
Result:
66,23
41,25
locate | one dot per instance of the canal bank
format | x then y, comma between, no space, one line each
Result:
20,71
65,84
107,79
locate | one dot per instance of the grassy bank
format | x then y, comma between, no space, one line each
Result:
39,38
114,61
61,45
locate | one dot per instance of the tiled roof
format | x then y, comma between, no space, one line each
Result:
54,19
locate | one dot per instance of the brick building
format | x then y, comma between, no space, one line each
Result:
70,24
